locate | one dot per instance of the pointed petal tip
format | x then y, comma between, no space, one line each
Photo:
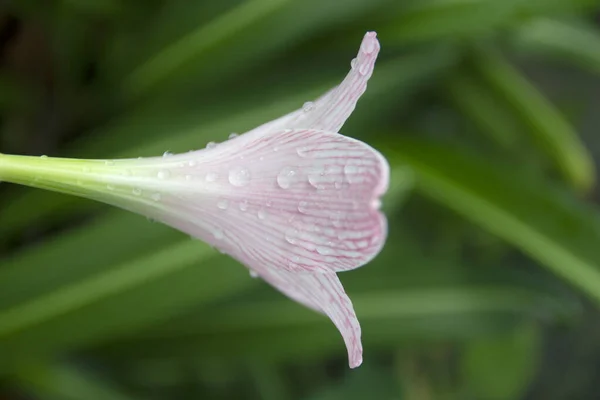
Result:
356,362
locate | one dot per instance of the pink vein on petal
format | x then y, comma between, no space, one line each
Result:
310,202
323,293
330,111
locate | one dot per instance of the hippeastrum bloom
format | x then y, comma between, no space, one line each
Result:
293,200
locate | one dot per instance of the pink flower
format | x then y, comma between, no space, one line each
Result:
293,200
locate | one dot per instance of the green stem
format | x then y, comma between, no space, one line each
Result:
69,176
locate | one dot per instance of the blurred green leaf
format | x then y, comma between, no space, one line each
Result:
419,299
443,19
575,42
367,382
502,367
555,136
531,215
487,111
116,300
168,61
58,382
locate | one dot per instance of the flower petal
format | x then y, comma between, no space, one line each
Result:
296,200
330,111
323,293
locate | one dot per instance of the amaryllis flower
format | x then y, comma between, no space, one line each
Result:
293,200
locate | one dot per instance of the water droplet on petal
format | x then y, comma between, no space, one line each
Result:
211,177
137,191
303,207
156,196
317,178
363,69
262,214
163,174
211,145
306,107
167,154
244,205
222,204
291,235
353,63
351,172
239,176
286,177
44,157
233,135
324,251
369,46
302,151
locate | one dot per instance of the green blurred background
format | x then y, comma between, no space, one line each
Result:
488,287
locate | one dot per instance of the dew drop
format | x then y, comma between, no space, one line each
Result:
156,196
286,177
363,69
211,145
262,214
376,204
369,46
218,234
306,107
317,178
167,154
291,235
324,251
244,205
44,157
222,204
302,151
163,174
239,176
253,274
211,177
351,173
137,191
233,135
192,163
353,63
303,207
